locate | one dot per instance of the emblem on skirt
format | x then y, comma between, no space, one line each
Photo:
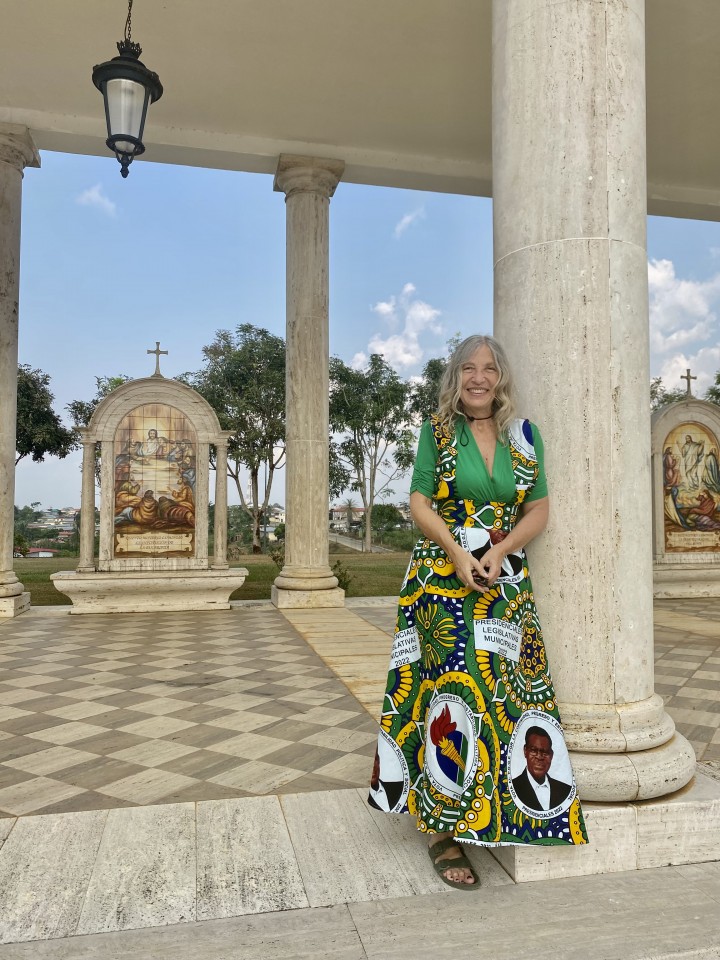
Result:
451,745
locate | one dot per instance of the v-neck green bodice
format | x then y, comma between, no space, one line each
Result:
472,480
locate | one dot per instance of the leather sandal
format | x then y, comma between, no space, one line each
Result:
446,863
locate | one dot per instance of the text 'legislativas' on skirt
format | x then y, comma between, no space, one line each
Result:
470,739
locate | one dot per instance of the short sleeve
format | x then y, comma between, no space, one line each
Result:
540,489
423,478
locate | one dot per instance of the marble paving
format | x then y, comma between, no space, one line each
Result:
99,712
118,711
687,671
192,788
316,875
98,871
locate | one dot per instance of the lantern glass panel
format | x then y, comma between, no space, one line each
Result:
126,105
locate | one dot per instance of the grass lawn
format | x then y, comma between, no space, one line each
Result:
372,575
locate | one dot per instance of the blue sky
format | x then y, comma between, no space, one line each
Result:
109,266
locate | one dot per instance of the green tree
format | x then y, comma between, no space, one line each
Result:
660,396
712,394
369,410
349,506
20,544
239,526
22,534
386,518
40,431
243,379
425,391
82,410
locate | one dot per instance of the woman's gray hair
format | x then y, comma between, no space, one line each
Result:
450,406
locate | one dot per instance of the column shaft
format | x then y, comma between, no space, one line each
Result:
87,509
220,526
569,195
16,152
306,578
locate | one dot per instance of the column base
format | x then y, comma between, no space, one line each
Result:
307,599
683,828
295,577
14,606
641,775
617,727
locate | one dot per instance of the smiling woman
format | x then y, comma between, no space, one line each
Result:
468,672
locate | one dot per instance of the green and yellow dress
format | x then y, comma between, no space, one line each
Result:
469,677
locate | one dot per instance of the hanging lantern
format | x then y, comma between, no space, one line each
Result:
127,87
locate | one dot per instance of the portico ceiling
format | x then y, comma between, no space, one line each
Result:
399,89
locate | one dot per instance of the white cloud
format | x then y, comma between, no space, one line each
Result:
682,312
386,309
359,361
683,327
95,197
418,318
407,221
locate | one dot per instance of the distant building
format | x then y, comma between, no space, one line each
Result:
339,516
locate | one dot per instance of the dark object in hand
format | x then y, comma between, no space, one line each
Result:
479,553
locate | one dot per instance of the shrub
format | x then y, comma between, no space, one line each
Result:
278,557
344,577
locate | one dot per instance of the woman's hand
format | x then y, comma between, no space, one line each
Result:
469,569
491,563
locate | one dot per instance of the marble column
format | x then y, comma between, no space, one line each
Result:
221,506
306,579
87,505
571,306
17,151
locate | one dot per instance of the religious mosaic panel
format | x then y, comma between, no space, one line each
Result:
691,490
155,449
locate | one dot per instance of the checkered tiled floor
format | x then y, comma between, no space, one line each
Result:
687,670
100,711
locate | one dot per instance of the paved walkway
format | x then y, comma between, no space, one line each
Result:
99,712
260,728
358,545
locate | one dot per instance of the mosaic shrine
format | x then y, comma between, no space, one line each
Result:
691,490
154,516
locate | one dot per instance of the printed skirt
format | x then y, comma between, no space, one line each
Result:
470,738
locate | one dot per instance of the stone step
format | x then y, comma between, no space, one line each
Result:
73,886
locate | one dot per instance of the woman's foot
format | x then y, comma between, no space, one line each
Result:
453,874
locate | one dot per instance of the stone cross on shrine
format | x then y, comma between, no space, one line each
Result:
687,377
157,351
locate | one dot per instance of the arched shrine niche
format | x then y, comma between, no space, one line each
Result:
686,499
154,437
691,490
155,449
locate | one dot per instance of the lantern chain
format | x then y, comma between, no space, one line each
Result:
128,22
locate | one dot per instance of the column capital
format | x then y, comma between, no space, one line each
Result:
297,174
17,146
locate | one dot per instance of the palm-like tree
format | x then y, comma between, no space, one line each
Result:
349,505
